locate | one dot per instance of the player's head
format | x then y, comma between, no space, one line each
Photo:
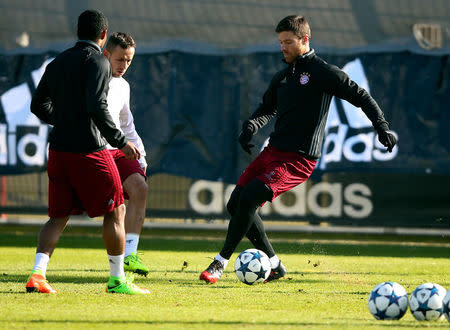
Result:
119,51
92,25
294,34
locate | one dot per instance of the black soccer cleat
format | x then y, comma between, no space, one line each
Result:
276,273
213,272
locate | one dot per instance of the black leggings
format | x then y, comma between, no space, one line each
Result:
242,206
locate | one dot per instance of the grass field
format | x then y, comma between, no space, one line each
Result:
329,279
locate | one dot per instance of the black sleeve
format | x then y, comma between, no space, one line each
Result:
340,85
97,86
41,104
266,110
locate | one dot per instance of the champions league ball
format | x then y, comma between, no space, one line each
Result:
388,301
426,302
447,305
252,266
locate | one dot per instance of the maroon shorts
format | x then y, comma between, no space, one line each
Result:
280,170
126,167
82,182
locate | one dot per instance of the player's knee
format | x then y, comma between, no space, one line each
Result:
138,190
254,194
116,215
142,188
234,200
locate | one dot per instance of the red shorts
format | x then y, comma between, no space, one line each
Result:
126,167
280,170
82,182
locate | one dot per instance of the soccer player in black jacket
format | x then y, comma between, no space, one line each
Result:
298,97
71,96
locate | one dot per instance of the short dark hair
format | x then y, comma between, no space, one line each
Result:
121,39
91,24
296,24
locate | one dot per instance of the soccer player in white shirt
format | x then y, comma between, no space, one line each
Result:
120,50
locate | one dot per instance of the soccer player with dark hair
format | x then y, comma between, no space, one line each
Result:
71,96
119,50
298,97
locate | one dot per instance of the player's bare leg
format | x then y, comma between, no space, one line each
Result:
114,237
49,235
48,238
136,188
114,231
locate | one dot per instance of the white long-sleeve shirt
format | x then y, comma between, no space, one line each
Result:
119,108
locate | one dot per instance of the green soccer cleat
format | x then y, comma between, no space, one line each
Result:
124,285
133,264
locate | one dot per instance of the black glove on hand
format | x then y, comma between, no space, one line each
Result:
387,138
244,139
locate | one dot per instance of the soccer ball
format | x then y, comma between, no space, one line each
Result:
252,266
447,305
426,302
388,301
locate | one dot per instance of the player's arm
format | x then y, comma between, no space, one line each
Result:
97,85
41,104
261,117
266,109
345,88
127,125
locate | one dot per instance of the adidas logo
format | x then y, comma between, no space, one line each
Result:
23,139
343,137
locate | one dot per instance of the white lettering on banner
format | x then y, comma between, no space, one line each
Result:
296,208
215,205
16,106
365,155
337,139
337,144
227,193
352,200
335,207
356,194
39,141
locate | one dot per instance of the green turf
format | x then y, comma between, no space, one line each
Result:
327,285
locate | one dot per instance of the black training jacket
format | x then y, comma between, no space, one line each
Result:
299,96
71,96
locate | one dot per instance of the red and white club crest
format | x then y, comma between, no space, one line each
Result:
304,78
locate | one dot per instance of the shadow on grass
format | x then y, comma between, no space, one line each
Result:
55,278
212,322
190,280
353,248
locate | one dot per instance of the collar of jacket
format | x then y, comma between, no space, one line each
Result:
91,43
304,57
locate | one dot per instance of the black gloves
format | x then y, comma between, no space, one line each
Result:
245,138
387,138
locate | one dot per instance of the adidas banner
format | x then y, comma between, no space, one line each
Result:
188,110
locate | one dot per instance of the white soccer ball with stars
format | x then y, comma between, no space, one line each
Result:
426,302
446,303
388,301
252,266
